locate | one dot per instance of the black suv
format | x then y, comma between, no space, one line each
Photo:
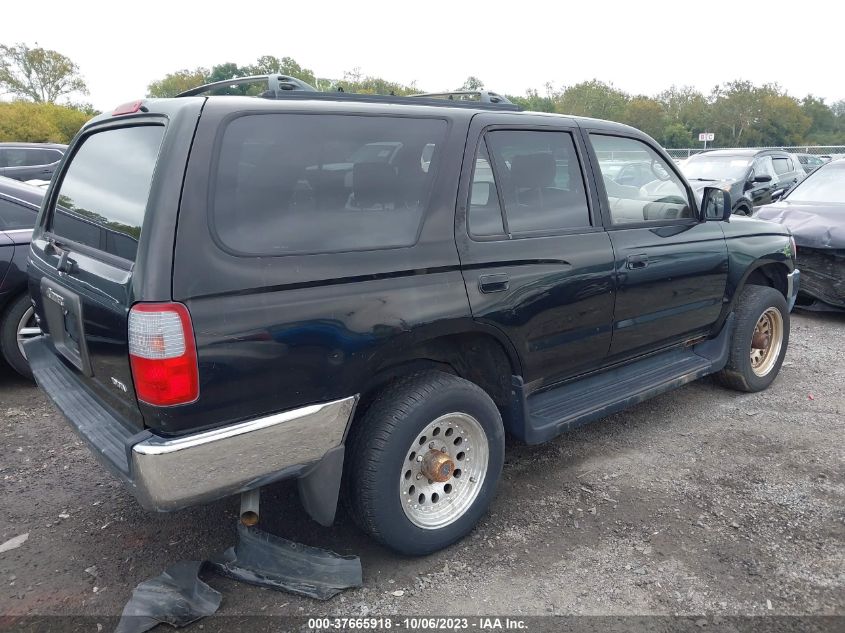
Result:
753,177
365,293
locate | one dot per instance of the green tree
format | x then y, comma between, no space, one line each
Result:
782,121
686,107
39,74
594,99
180,81
268,64
534,102
675,135
647,115
822,119
25,121
472,83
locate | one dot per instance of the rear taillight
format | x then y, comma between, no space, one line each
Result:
163,354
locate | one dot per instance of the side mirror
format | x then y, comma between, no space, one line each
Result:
716,204
762,178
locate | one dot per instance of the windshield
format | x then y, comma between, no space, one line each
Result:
825,185
715,167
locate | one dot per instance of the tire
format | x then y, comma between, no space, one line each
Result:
742,373
742,210
435,411
9,323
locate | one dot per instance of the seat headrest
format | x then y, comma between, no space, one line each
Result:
532,171
374,183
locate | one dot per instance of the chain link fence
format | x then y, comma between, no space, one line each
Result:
822,151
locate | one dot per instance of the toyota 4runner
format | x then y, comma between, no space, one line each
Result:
365,293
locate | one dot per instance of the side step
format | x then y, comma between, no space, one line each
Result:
549,413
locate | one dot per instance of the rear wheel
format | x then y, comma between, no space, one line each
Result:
423,462
760,339
17,325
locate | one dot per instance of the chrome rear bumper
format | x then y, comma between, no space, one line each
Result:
175,473
171,473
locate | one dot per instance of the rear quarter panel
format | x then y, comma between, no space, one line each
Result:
275,333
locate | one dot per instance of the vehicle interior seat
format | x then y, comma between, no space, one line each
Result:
374,186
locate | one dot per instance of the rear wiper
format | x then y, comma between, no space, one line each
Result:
704,179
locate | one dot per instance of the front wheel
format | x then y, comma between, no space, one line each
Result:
16,326
759,342
424,461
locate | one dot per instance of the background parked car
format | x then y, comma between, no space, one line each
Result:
810,162
815,213
752,177
19,204
24,161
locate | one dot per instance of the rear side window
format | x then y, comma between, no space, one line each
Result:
15,216
298,183
103,194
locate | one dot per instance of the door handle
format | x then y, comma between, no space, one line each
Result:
493,283
636,261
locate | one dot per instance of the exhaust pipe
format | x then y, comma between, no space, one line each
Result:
249,507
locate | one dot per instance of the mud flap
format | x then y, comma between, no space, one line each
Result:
177,597
265,560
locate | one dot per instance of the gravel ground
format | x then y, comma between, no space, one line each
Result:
700,501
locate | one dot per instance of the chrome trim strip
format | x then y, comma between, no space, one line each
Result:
179,472
16,231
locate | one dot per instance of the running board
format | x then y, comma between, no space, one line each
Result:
547,414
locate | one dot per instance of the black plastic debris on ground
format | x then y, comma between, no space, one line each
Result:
262,559
177,597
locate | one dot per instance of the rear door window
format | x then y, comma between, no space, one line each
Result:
103,193
539,180
298,183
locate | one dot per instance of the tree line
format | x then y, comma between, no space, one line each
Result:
739,113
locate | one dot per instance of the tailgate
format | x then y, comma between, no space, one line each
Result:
84,256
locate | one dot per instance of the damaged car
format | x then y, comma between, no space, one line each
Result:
815,213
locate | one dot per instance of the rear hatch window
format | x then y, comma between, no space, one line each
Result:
103,194
88,257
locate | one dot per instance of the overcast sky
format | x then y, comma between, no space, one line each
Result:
641,47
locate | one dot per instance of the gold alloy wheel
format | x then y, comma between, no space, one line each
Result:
766,341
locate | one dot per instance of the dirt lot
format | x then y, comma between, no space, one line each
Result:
698,501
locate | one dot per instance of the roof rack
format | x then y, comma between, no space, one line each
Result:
286,87
276,84
483,96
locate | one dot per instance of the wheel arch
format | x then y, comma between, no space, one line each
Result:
473,351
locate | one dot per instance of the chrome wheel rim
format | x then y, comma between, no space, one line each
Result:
766,342
444,471
27,328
